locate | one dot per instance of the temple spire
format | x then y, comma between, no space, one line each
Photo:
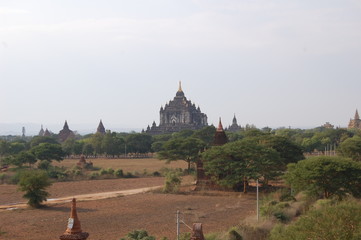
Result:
101,128
66,125
220,126
356,115
180,87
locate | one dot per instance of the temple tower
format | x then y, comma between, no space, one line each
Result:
41,132
220,137
356,122
73,230
65,133
234,127
101,128
179,114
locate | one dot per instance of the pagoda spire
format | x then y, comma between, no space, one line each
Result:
73,230
220,126
180,87
101,128
66,125
357,117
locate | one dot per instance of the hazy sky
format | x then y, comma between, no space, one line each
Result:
271,62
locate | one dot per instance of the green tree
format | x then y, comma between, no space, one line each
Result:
205,134
35,141
16,147
139,143
96,141
34,183
4,148
327,176
233,164
88,149
113,144
288,150
351,148
340,222
138,235
187,149
48,151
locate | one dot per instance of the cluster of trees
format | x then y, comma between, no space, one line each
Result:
262,157
43,148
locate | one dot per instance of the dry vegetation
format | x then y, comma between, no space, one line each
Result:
127,165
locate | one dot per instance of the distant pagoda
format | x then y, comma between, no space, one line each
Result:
356,122
234,127
41,132
101,128
220,137
65,133
177,115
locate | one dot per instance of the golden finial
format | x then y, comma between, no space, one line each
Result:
180,87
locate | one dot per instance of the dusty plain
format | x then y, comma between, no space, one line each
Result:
113,218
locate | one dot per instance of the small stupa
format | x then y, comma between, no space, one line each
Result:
197,232
73,230
220,137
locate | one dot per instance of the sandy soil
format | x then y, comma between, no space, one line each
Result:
113,218
9,194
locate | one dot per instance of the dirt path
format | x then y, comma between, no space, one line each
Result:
84,197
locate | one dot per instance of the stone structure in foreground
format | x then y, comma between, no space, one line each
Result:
73,230
177,115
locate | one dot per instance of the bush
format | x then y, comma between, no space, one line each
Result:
138,235
172,182
94,175
44,165
275,209
156,174
33,183
2,178
129,175
338,222
119,173
234,235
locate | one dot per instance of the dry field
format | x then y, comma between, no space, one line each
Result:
113,218
127,165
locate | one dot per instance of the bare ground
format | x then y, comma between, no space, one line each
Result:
113,218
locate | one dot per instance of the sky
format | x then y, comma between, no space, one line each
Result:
275,63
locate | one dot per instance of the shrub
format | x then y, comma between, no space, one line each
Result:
341,222
138,235
172,182
234,235
44,165
119,173
103,172
33,183
129,175
185,236
110,171
94,175
276,209
2,178
156,174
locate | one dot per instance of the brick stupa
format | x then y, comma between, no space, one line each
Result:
73,230
220,137
65,133
197,232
